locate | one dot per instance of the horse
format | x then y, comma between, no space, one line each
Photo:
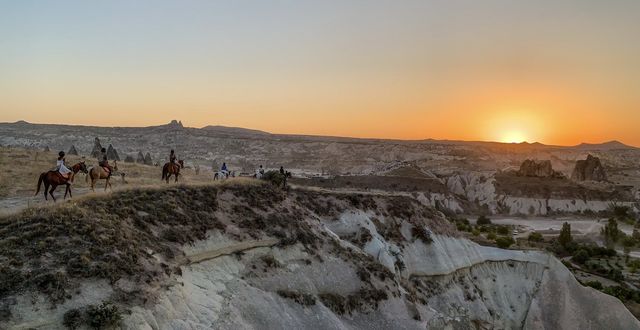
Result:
98,172
171,168
221,175
54,179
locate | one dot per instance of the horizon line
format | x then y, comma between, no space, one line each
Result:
340,136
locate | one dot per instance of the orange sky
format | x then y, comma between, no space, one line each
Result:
502,71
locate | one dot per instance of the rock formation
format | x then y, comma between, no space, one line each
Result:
72,151
147,159
129,159
589,169
540,169
258,259
140,158
46,149
95,152
112,153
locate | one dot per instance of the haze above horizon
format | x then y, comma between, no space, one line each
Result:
496,70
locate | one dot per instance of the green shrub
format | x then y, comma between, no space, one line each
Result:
503,230
475,232
595,284
492,236
103,316
504,242
72,319
535,237
581,256
483,220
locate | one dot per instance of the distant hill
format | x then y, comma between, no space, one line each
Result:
611,145
233,130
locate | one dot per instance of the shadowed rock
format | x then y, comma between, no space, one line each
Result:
147,159
129,159
72,151
590,169
95,152
112,153
534,168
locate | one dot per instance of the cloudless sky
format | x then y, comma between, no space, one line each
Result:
559,72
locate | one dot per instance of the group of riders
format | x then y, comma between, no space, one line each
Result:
66,174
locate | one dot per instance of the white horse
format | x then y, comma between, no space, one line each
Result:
222,175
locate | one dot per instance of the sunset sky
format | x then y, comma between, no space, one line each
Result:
557,72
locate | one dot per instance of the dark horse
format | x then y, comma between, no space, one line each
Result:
171,168
54,179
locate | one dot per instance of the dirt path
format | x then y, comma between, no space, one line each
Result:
15,204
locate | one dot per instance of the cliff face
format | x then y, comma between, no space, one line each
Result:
250,256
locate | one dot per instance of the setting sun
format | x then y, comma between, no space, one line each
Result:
513,136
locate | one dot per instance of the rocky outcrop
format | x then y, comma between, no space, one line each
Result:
112,153
46,149
129,159
97,147
140,158
540,169
303,260
147,159
590,169
72,151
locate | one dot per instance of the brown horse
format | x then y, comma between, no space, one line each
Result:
54,179
171,168
98,172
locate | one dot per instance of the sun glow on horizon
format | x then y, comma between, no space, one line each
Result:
513,136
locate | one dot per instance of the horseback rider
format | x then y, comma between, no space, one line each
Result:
224,168
172,157
282,170
64,171
104,162
259,172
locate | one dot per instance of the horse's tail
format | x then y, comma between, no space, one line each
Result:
164,171
40,179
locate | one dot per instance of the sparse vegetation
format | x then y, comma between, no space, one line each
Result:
535,237
483,220
301,298
504,242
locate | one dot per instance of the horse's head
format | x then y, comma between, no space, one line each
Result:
181,162
81,167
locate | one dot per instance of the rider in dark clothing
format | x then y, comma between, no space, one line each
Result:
281,170
172,157
104,162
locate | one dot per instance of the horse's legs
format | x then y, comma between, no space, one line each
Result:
66,190
46,190
69,189
176,177
106,184
53,187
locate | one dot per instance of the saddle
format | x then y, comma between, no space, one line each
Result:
106,169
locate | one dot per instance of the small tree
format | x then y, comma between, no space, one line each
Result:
483,220
611,232
535,237
565,235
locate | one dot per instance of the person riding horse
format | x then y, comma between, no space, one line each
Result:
64,171
104,162
172,157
